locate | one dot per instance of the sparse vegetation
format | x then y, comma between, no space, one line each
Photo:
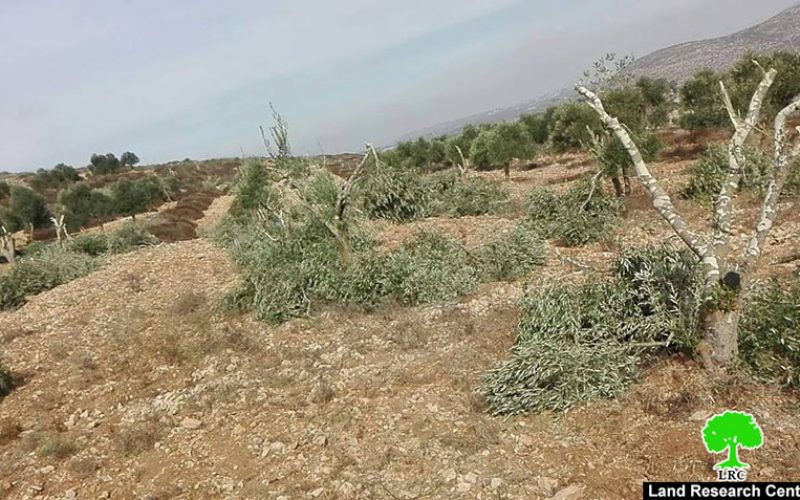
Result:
44,271
50,265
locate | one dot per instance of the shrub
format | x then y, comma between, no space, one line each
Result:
581,342
129,237
707,174
5,190
46,270
394,193
544,205
89,244
455,196
432,268
284,276
281,278
770,332
512,255
252,189
574,218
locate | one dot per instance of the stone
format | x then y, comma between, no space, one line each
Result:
191,423
318,492
320,441
463,487
546,486
471,478
699,416
71,494
495,483
449,474
571,492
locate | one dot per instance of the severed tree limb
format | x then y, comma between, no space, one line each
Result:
344,192
661,200
462,167
61,230
595,177
769,208
7,245
723,204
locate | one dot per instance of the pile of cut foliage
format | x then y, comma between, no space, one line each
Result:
576,343
583,214
286,231
581,342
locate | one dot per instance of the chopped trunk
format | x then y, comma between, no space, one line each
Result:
722,306
720,336
618,189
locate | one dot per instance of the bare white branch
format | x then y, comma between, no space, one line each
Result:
726,99
7,245
661,200
769,208
723,204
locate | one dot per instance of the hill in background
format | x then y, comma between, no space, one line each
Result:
677,62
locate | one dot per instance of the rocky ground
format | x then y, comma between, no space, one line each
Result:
133,384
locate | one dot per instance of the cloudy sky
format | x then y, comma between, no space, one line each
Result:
183,78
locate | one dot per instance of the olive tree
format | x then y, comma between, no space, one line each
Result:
28,208
498,145
725,277
128,159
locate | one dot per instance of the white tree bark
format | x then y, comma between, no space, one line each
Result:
721,317
7,245
784,155
723,205
61,229
661,200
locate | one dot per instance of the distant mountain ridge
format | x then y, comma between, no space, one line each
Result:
681,61
678,63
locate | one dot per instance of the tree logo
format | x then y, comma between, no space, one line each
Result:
730,431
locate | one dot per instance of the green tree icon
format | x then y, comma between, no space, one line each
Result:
731,430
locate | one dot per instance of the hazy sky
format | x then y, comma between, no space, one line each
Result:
174,79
